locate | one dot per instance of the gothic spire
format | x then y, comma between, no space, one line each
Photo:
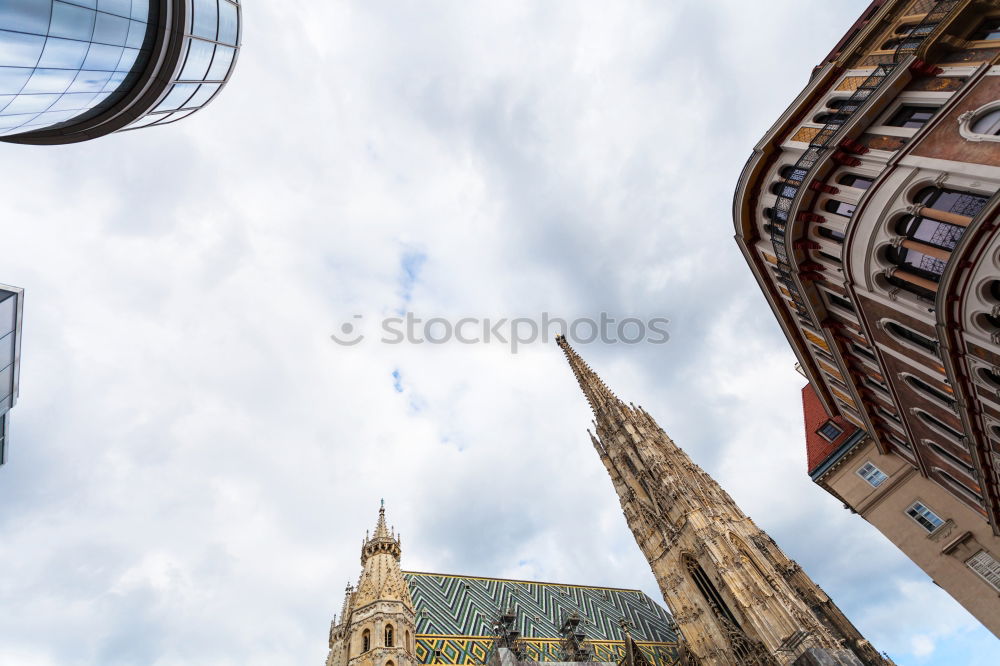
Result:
597,392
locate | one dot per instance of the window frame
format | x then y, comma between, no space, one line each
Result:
969,118
874,476
829,424
995,565
923,505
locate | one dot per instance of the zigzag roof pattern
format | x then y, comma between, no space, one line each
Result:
448,605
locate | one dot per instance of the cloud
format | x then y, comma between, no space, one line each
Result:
194,462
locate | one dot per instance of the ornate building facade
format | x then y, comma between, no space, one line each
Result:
869,216
735,596
398,618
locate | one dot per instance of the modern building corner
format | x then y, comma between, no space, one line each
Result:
11,314
76,70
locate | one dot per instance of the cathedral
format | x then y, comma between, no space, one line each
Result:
736,599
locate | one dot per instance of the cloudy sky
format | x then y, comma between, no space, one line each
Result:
194,460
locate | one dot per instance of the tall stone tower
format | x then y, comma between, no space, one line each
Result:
376,626
735,596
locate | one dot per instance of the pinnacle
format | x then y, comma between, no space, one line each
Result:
381,531
597,392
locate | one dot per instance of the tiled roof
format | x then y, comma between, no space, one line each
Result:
455,613
818,448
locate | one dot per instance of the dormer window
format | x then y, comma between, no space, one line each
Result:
829,431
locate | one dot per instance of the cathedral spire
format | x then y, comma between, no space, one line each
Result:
597,392
736,597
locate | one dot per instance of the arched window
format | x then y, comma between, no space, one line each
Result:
909,335
829,257
789,172
959,487
777,216
951,458
366,641
995,430
861,351
388,635
928,391
389,663
906,42
898,441
988,29
843,103
989,376
952,201
916,262
891,416
929,232
854,180
408,646
832,234
987,123
939,426
784,190
827,118
839,207
708,589
839,301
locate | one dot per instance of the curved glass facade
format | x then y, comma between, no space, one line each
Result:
211,41
60,59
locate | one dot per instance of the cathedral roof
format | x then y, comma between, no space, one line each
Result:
455,613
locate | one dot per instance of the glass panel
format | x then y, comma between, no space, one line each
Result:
204,93
177,96
63,53
119,7
71,101
89,81
136,34
49,81
7,312
25,16
128,60
228,24
110,29
140,10
147,120
115,81
20,50
6,381
103,57
205,19
12,79
198,59
5,100
30,104
220,65
72,22
11,122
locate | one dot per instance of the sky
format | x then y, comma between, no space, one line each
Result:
195,461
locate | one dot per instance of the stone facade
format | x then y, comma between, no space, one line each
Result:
377,622
736,597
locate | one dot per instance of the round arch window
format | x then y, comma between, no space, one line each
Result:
990,377
983,124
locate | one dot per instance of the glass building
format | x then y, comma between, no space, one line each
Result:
72,70
11,305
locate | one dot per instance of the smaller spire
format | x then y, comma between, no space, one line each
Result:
381,540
